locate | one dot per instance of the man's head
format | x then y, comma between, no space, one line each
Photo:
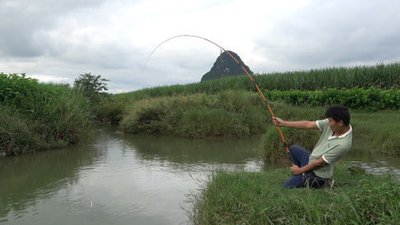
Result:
339,117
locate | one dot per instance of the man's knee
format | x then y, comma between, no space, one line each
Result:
293,148
296,148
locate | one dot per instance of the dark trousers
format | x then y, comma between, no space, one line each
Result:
300,157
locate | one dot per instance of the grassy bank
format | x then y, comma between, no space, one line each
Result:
258,198
231,113
241,113
36,116
195,110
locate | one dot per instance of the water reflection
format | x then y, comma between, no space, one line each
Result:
182,150
27,178
116,179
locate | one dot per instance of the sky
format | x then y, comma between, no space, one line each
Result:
56,41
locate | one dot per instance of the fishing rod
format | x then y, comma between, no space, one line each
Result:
238,62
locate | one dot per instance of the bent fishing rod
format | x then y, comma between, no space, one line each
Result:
240,64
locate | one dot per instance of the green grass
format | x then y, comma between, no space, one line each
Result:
373,132
370,99
259,198
109,110
379,76
36,116
377,132
231,113
240,113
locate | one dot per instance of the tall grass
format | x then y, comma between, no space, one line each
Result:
110,110
37,116
231,113
15,134
355,98
373,132
379,76
259,198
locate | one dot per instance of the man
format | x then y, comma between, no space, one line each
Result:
316,169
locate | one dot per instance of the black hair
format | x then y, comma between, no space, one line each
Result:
339,113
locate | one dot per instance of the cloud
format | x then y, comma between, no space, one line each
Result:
23,24
333,33
58,40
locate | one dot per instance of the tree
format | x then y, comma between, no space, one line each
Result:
91,85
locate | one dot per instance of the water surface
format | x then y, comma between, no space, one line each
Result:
119,178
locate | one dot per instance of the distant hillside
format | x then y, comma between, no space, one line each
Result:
225,66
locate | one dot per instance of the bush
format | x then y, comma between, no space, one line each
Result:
39,116
110,110
15,134
232,113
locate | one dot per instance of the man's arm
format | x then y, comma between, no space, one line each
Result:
307,168
294,124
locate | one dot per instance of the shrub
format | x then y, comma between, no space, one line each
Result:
232,113
39,116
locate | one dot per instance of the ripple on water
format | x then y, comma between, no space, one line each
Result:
379,167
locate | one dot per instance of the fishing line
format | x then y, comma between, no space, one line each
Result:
91,212
234,59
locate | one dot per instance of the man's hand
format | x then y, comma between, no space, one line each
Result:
277,121
295,169
307,168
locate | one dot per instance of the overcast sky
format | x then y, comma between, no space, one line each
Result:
55,41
